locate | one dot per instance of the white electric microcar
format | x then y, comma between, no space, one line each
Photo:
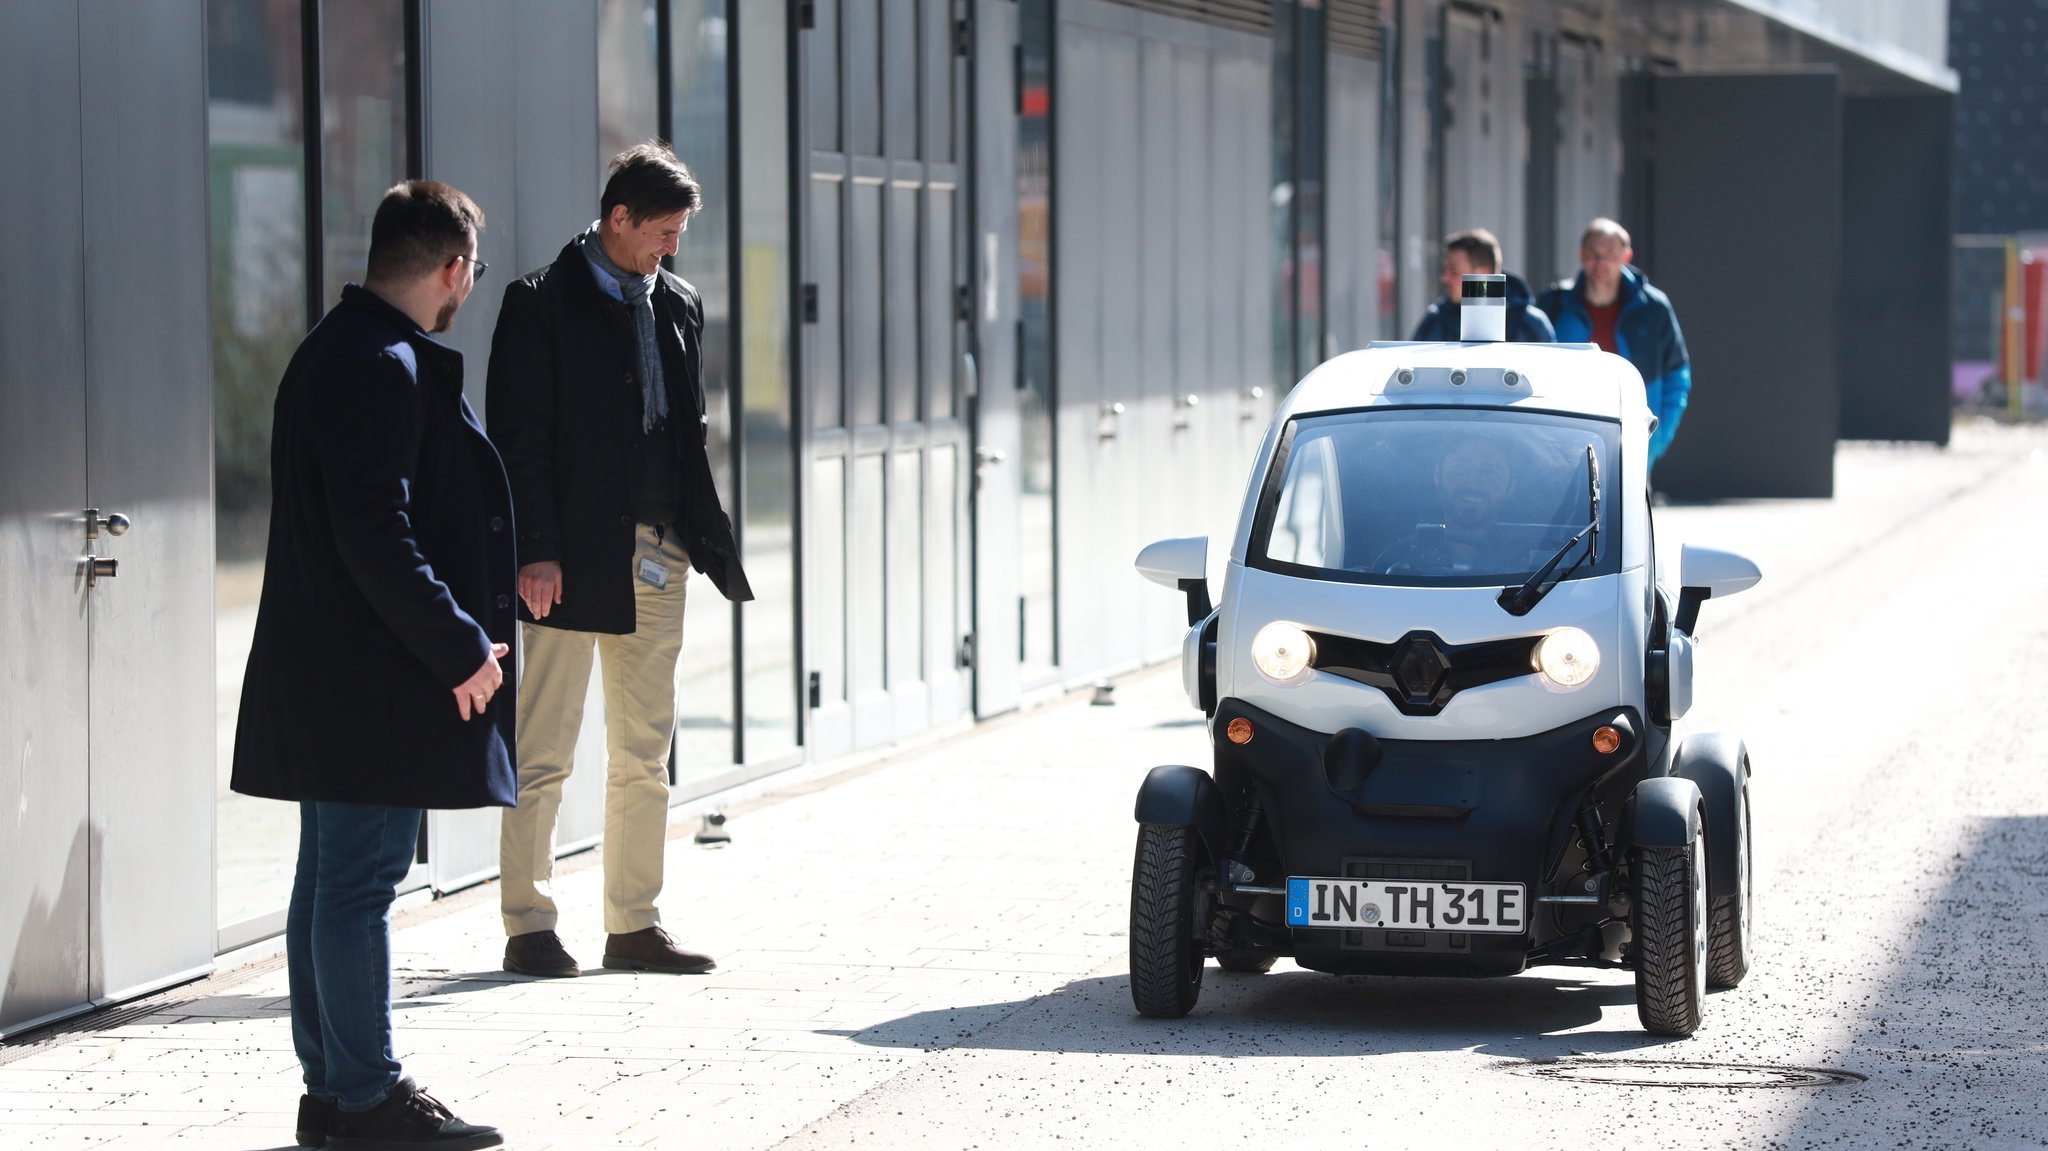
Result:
1441,683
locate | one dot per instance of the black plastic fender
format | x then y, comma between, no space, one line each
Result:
1665,812
1181,796
1719,764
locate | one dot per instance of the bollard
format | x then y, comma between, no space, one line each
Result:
713,833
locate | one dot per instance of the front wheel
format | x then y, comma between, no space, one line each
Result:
1728,919
1671,937
1166,924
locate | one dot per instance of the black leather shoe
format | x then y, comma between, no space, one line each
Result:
408,1118
652,950
540,953
315,1117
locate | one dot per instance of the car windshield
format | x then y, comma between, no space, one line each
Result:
1457,497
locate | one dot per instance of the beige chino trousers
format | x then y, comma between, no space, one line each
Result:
640,722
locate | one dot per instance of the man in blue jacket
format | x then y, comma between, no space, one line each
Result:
380,644
1613,305
1476,251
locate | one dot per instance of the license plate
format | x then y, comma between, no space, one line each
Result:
1407,905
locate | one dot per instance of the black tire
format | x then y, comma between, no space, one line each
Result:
1671,937
1166,924
1246,962
1728,918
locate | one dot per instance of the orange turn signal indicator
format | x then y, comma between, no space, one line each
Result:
1606,740
1239,730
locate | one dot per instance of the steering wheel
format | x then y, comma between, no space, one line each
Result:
1429,547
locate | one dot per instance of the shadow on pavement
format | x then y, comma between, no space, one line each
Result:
1295,1013
1953,1046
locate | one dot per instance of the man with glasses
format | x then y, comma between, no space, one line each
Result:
387,591
597,401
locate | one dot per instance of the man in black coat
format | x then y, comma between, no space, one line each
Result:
386,610
1476,250
596,398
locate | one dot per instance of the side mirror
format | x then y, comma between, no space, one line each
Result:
1183,565
1704,573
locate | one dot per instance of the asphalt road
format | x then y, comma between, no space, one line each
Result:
1888,676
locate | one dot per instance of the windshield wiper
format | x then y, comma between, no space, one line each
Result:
1519,600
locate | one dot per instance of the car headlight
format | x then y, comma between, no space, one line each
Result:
1567,657
1283,652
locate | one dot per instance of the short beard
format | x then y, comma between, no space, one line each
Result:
445,318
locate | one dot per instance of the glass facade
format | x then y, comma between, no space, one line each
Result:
363,116
665,70
767,496
257,168
259,157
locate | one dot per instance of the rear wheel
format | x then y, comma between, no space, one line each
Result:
1671,937
1728,918
1167,902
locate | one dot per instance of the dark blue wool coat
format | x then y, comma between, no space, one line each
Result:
390,571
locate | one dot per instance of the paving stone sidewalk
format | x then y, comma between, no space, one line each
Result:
863,918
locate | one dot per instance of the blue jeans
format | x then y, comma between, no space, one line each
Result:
337,943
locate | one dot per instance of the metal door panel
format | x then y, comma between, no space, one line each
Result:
1588,157
998,466
1079,185
1160,443
45,847
867,605
149,423
1351,263
906,582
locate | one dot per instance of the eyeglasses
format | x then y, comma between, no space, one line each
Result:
479,265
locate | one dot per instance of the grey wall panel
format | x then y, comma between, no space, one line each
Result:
527,152
1748,164
1351,225
44,841
149,422
1896,328
1418,257
1164,271
997,428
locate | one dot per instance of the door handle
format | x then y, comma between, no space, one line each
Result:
1248,409
98,566
985,456
115,523
1106,422
1186,403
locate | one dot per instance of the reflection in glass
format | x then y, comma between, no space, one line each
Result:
1035,591
628,98
362,129
256,161
767,513
697,78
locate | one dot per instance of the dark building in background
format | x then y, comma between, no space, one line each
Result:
1999,49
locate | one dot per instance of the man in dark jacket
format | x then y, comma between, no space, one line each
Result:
597,401
1476,251
386,608
1613,305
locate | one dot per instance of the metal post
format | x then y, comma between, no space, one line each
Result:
2015,314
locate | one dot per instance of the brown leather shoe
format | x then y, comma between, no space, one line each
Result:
541,954
653,950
